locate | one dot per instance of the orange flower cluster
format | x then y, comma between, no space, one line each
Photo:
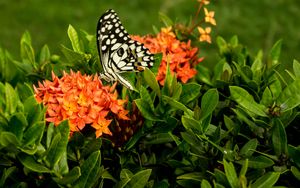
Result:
81,99
182,57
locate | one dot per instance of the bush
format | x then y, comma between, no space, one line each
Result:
233,126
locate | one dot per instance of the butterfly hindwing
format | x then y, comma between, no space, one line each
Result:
118,52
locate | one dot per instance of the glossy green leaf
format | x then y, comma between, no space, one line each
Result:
58,144
159,138
296,68
69,178
33,110
248,149
44,55
30,163
145,96
279,138
294,153
275,53
34,133
11,99
231,174
209,102
139,179
257,66
72,56
190,92
146,110
243,98
289,98
267,180
205,184
177,105
191,123
87,168
275,86
196,176
27,51
267,98
296,172
17,124
8,138
258,162
151,81
73,36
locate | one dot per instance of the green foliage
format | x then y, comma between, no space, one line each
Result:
233,126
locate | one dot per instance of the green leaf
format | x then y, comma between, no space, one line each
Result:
58,144
17,124
275,86
33,110
243,98
258,162
145,96
289,98
191,123
8,138
205,184
11,99
275,53
209,102
177,104
72,56
248,149
295,171
159,138
72,176
231,174
34,133
165,19
6,173
44,55
279,138
196,176
87,168
296,68
139,179
257,66
29,162
294,153
267,98
190,92
151,81
146,110
27,51
73,36
267,180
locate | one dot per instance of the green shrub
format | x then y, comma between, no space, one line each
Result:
233,126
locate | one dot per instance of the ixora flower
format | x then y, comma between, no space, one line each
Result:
182,57
81,99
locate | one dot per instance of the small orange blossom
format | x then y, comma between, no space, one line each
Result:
81,99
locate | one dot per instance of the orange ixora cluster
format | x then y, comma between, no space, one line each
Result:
81,99
181,56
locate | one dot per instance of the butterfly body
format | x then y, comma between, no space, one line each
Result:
118,52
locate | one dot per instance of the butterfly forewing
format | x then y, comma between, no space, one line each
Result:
118,52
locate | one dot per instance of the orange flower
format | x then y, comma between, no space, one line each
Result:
182,57
81,99
209,17
204,34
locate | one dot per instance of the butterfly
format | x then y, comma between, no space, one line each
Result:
118,52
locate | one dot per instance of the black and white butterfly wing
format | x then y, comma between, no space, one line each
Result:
118,52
